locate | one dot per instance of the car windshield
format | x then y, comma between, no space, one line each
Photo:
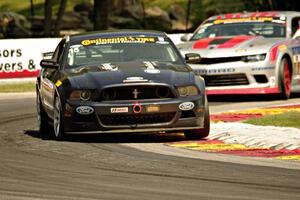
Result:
111,50
265,29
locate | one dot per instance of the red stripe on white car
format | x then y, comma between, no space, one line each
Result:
235,41
205,43
244,91
267,14
202,44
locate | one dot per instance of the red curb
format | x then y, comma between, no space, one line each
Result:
251,152
265,153
204,141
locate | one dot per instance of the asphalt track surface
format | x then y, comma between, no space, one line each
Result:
34,166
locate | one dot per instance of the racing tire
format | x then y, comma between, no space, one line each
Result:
58,126
203,132
42,118
284,79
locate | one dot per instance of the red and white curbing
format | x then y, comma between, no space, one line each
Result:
259,136
230,136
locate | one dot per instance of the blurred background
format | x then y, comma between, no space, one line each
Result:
55,18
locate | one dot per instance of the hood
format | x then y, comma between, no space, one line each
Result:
230,46
92,77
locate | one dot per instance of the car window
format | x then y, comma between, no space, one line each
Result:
86,53
295,24
269,28
58,51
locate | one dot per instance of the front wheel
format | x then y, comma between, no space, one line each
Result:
203,132
58,120
42,118
284,78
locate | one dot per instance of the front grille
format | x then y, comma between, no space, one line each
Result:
136,92
209,61
225,80
114,120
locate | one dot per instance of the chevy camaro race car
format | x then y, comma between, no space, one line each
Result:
248,53
120,82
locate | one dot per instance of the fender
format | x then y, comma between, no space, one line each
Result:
282,53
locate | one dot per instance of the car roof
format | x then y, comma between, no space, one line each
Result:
117,33
256,14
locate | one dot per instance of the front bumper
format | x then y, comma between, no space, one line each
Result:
239,78
121,116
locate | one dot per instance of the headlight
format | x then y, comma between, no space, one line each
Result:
254,58
187,91
83,95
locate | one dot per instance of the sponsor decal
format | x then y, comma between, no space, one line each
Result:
119,40
119,110
84,110
153,108
58,83
186,106
262,68
150,67
246,19
272,81
152,71
214,71
108,67
282,47
134,79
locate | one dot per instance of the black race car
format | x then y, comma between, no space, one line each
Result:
120,81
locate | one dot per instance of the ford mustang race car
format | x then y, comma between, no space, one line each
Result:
113,82
248,53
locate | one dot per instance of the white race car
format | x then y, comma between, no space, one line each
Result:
248,53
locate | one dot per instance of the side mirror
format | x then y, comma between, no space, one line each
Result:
186,37
47,55
297,34
192,58
49,63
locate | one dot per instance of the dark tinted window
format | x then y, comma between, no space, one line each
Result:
265,29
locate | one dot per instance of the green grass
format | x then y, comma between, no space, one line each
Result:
17,87
287,119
